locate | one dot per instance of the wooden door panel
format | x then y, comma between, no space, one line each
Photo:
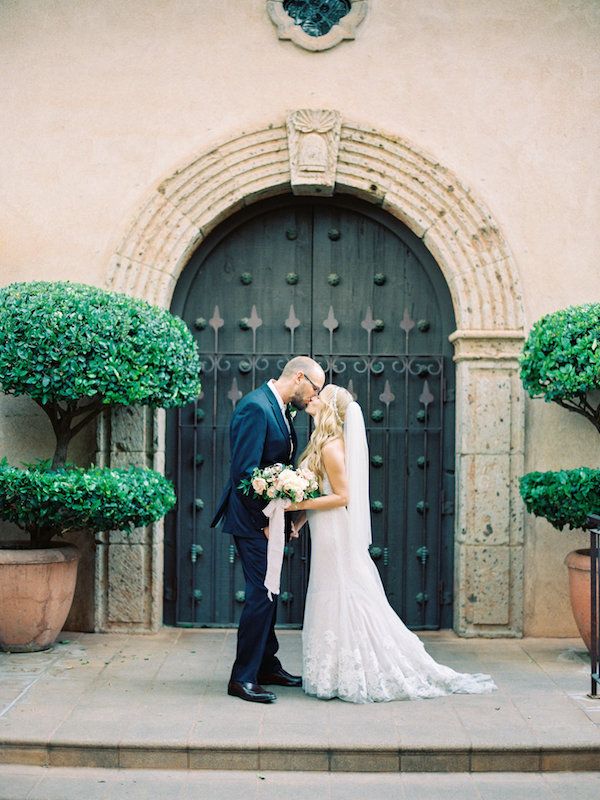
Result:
387,316
249,268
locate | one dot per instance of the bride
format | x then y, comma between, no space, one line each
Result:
354,645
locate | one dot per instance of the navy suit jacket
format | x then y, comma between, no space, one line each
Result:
259,438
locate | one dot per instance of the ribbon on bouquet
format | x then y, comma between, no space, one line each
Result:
275,511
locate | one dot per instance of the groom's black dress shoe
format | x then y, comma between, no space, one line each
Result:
250,691
280,678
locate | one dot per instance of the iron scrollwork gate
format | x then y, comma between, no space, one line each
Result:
361,294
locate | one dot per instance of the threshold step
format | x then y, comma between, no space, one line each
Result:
375,759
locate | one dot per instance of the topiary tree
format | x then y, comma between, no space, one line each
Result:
75,350
561,363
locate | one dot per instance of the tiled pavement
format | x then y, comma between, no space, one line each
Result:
147,702
62,783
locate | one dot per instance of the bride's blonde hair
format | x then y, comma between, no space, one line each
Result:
329,425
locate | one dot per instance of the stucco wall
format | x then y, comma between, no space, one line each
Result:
101,100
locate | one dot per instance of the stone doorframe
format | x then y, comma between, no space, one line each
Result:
462,236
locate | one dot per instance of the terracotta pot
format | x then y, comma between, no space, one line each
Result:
578,562
36,592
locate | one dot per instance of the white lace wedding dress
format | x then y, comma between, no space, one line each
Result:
355,647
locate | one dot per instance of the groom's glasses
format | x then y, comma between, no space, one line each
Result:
314,385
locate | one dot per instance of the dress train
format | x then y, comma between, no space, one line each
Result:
355,647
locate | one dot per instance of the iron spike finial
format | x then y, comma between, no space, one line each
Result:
254,321
387,396
368,322
292,322
234,394
426,397
407,323
216,321
331,322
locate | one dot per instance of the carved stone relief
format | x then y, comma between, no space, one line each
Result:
344,29
313,143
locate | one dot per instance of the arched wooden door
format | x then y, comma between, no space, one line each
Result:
351,286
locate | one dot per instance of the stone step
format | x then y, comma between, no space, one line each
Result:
134,702
303,758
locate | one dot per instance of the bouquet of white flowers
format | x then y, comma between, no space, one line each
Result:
281,485
281,482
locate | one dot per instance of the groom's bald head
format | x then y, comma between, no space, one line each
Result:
300,380
303,364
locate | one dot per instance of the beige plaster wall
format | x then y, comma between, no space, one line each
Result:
101,99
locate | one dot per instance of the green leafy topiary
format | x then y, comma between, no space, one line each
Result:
561,359
561,363
62,342
75,350
563,498
47,503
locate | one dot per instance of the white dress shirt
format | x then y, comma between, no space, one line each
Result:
271,385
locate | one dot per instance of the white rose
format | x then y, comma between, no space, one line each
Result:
286,475
293,483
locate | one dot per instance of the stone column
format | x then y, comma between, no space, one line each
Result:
129,566
490,460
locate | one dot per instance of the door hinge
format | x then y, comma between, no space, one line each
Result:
445,596
447,505
448,394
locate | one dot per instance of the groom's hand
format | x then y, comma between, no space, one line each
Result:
297,525
266,532
298,521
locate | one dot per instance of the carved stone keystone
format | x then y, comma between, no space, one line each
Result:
313,143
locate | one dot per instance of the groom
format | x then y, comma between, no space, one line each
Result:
261,434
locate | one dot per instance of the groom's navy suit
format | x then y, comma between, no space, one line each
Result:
259,437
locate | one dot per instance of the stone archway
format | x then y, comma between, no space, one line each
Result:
469,248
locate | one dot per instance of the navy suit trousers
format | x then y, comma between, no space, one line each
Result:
257,642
